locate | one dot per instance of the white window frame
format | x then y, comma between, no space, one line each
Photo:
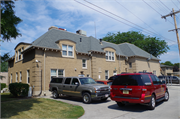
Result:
67,50
110,56
11,79
106,78
85,64
57,72
22,49
19,54
20,76
16,77
28,76
130,65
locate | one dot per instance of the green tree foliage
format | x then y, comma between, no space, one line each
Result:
9,21
4,63
151,45
168,63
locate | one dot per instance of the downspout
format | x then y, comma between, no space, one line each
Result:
44,72
119,64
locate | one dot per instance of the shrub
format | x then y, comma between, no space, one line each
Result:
19,89
3,85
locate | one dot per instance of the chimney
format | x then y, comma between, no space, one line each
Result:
52,27
100,41
81,32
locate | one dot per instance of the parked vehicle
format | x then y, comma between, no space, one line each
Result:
142,88
104,82
169,79
84,87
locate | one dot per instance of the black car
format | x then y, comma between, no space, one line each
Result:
169,79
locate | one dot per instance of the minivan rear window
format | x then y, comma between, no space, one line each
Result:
129,80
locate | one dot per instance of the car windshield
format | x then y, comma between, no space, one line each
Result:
87,81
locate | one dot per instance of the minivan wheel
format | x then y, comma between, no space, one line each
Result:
152,103
86,98
55,94
120,104
166,96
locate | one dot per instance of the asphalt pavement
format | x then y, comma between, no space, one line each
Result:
110,110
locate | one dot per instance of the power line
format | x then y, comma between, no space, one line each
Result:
155,10
117,19
162,6
158,6
136,16
121,17
165,5
178,1
174,4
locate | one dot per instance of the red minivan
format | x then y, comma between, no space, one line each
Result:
143,88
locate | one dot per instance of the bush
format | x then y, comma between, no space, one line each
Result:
19,89
3,85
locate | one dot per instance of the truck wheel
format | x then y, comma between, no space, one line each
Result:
86,98
104,99
166,96
120,104
152,103
55,94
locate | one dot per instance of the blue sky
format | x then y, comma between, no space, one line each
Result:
39,15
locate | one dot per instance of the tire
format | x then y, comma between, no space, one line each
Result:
86,98
120,104
166,96
55,94
152,103
104,99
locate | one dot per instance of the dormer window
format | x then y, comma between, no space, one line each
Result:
110,56
19,54
67,50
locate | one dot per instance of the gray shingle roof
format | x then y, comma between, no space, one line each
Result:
48,40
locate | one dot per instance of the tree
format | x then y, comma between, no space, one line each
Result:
4,63
176,67
9,21
168,63
152,45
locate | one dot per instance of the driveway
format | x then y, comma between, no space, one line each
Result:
110,110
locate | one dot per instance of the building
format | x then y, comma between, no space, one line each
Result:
4,78
166,70
61,53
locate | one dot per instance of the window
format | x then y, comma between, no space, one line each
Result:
67,81
22,51
56,80
110,56
130,65
67,50
28,76
155,81
57,72
19,54
146,79
154,72
88,75
114,73
11,79
74,81
16,77
20,77
106,74
84,63
16,56
144,71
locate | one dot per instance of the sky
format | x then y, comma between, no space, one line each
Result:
97,18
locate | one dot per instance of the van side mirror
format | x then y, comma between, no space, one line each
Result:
76,83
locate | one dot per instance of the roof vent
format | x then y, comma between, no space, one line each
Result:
81,32
52,27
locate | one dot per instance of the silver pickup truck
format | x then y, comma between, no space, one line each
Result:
84,87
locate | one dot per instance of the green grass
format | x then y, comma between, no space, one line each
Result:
7,97
39,108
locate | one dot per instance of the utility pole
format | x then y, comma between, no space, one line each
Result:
176,29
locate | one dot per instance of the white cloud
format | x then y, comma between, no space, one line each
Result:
172,56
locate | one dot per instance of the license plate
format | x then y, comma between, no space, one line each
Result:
106,95
125,92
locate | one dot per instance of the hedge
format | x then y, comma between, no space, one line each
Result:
3,85
19,89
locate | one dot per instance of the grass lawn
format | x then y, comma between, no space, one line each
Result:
7,97
39,108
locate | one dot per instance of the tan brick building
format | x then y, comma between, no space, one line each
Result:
61,53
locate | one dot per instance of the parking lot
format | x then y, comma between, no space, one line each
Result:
110,110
